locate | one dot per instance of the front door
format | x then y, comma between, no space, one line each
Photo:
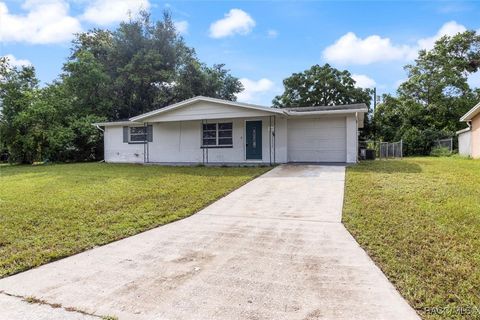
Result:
253,141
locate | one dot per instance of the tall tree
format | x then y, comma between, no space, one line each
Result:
138,67
438,80
435,95
39,124
18,86
321,86
88,81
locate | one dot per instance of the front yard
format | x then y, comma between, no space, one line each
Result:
49,212
419,219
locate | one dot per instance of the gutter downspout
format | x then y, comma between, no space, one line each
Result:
145,142
357,136
98,127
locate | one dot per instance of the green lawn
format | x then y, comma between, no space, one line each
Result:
52,211
419,219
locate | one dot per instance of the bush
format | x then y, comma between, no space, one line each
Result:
440,152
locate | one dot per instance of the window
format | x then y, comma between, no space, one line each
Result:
217,135
138,134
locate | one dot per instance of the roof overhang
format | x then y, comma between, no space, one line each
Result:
472,113
359,114
358,110
205,99
117,123
463,131
326,112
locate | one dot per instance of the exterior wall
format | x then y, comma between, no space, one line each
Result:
281,140
352,139
475,143
464,144
117,151
180,142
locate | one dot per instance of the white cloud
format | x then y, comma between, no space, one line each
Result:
272,33
448,29
350,49
13,61
253,90
236,21
181,26
17,62
106,12
45,21
363,81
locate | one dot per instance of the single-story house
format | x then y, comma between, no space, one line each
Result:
205,130
469,138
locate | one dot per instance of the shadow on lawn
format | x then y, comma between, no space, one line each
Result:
387,166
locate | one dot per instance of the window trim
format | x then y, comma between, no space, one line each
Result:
217,130
130,141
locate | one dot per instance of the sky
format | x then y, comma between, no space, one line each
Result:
261,42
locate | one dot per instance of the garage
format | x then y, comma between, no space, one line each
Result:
317,140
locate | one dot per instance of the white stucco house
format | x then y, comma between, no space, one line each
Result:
205,130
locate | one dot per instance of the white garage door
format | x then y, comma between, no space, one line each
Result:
317,140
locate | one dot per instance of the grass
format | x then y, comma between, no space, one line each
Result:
53,211
419,220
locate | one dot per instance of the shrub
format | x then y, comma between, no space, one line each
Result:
440,152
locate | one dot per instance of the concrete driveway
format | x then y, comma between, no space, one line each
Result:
273,249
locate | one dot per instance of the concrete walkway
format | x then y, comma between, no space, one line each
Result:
273,249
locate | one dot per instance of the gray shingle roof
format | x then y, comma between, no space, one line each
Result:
329,108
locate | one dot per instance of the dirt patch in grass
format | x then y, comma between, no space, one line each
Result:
419,219
53,211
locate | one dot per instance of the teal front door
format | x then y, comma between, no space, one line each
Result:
253,140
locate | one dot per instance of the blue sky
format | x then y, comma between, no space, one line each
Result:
261,42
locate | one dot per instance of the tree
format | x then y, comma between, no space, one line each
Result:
434,97
398,119
86,79
138,67
39,124
321,86
199,79
18,86
438,79
388,115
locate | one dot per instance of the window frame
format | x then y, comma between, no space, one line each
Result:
145,134
217,135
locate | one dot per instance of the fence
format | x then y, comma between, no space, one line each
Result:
391,150
381,150
445,143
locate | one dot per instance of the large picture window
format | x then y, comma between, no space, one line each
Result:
217,134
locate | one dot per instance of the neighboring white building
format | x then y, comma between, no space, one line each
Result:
464,142
469,138
213,131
